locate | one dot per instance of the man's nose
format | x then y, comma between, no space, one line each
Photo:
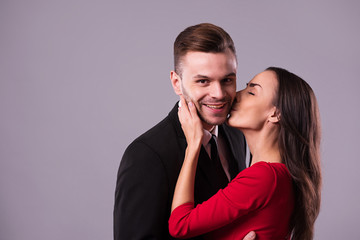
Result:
217,90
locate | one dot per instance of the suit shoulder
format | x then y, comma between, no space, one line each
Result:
158,142
162,131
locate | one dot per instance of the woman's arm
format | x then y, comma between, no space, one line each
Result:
251,190
184,190
193,130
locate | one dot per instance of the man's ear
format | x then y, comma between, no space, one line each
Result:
176,82
275,115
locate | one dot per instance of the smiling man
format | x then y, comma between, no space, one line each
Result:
209,81
205,73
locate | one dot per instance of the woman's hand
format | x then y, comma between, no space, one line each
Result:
190,123
193,130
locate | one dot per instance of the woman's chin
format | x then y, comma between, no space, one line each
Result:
229,121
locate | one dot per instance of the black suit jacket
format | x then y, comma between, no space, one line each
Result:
148,173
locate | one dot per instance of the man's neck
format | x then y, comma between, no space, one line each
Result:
208,127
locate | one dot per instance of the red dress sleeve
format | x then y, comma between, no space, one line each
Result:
249,191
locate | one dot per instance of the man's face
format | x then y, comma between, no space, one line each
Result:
209,81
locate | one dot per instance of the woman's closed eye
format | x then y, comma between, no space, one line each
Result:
249,86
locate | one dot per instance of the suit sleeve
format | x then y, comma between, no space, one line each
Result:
250,190
141,201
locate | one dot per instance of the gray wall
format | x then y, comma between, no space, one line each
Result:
79,80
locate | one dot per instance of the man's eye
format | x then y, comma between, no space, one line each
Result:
202,81
228,80
251,93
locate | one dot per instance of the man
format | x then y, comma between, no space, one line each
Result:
205,72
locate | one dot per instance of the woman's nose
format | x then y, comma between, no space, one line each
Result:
238,96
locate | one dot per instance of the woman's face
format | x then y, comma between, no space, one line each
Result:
254,105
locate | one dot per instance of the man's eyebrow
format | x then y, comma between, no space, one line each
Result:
253,84
231,75
204,76
200,76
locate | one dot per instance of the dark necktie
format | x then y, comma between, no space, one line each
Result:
215,159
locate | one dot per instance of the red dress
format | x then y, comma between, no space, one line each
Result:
259,199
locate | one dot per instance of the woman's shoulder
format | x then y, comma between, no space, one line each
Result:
264,172
263,167
255,185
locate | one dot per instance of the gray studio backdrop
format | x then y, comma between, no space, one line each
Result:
79,80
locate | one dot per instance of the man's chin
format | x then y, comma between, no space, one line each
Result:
214,122
212,119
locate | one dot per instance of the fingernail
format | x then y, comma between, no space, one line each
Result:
191,104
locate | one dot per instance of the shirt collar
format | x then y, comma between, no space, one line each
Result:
207,135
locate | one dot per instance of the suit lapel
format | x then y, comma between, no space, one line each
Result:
232,162
237,149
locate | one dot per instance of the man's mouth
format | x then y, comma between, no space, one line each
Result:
217,106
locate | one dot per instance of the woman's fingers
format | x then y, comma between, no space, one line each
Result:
188,107
183,110
190,122
187,112
192,110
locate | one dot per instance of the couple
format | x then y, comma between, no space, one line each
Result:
278,196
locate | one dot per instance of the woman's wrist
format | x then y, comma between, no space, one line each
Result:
195,144
193,148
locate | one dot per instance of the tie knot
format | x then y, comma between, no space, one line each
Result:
212,140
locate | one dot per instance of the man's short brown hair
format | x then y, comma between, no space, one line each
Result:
204,37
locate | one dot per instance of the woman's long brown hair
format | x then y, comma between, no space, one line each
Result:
299,143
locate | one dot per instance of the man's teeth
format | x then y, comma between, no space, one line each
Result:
215,106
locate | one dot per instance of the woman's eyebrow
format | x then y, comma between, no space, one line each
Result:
254,84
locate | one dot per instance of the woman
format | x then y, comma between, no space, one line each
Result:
278,196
